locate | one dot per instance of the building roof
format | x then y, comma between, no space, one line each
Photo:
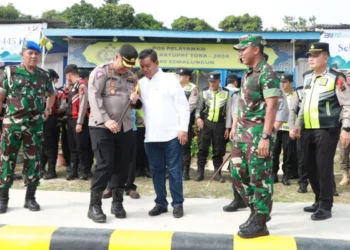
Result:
333,26
50,23
174,36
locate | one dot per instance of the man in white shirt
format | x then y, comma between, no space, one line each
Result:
166,115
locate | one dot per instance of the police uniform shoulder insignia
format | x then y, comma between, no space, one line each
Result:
195,91
112,84
341,84
112,91
99,73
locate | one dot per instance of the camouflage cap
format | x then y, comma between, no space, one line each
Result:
248,40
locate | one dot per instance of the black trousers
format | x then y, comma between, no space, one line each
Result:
212,133
186,160
130,185
80,145
288,145
64,142
113,153
49,150
141,159
303,179
320,146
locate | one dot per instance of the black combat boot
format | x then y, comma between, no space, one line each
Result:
42,170
200,175
218,176
236,204
255,228
186,174
51,172
252,212
84,173
117,204
30,201
95,210
4,200
72,171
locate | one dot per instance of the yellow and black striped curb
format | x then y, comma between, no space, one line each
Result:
63,238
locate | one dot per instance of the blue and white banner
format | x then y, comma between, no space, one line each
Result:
339,46
12,37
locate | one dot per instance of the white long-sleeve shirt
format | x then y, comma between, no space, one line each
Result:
166,109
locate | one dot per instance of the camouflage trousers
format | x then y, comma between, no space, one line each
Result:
12,137
251,175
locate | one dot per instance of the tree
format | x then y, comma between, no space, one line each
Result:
196,24
9,12
241,23
52,15
147,21
299,24
111,1
115,16
83,15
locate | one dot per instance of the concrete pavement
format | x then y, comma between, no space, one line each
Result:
69,209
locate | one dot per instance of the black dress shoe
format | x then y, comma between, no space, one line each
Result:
311,209
321,214
286,182
178,212
302,189
199,178
157,210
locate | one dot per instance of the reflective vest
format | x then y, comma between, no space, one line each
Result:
214,108
321,106
188,89
285,126
140,113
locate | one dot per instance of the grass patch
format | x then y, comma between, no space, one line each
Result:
194,189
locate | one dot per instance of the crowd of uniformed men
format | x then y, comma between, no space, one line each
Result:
103,117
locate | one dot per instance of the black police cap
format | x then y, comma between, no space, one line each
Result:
184,72
129,55
70,68
316,48
214,76
287,78
53,74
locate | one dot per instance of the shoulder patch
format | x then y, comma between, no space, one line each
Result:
341,84
81,90
195,91
99,73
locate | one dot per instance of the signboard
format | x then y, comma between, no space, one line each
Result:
12,37
173,55
339,46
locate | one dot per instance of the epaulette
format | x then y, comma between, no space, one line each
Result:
307,72
337,73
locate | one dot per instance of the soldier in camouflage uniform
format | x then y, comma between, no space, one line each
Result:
252,145
23,89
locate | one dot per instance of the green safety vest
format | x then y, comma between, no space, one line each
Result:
321,106
141,114
214,108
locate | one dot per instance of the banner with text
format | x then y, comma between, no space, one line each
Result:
88,54
12,37
339,46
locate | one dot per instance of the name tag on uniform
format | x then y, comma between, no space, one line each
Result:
308,83
323,82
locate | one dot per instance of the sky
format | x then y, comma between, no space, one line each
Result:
270,11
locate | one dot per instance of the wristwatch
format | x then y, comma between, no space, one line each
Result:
347,129
265,136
